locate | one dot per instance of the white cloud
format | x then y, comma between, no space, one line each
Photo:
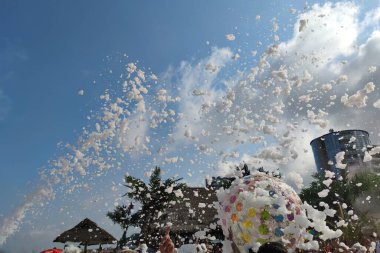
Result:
194,80
222,106
327,25
295,179
371,19
305,61
307,73
366,57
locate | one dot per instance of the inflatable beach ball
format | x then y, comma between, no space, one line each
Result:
260,208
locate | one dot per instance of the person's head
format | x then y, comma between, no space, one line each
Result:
272,247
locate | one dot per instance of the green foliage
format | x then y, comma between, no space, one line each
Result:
122,216
345,191
369,182
341,191
153,198
355,230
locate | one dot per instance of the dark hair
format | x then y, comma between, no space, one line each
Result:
272,247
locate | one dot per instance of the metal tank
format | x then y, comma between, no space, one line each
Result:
353,142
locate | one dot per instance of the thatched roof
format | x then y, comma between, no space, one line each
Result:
88,232
195,212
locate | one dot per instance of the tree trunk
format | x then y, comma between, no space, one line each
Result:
145,227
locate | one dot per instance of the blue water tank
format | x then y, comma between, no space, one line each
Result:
352,142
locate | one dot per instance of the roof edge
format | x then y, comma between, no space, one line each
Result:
337,132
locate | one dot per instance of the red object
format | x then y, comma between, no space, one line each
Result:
55,250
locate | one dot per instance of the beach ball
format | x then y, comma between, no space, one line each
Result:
261,208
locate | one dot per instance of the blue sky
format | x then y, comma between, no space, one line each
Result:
50,50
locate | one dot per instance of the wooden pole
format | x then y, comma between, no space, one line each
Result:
85,247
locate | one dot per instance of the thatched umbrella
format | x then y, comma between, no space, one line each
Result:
86,232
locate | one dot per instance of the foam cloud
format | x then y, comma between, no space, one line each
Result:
11,224
305,74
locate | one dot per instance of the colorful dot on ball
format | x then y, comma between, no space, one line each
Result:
265,215
272,193
239,207
233,199
227,209
278,232
234,217
279,218
263,229
246,238
313,232
247,224
291,217
251,212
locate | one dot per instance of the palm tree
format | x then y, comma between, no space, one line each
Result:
153,198
122,216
